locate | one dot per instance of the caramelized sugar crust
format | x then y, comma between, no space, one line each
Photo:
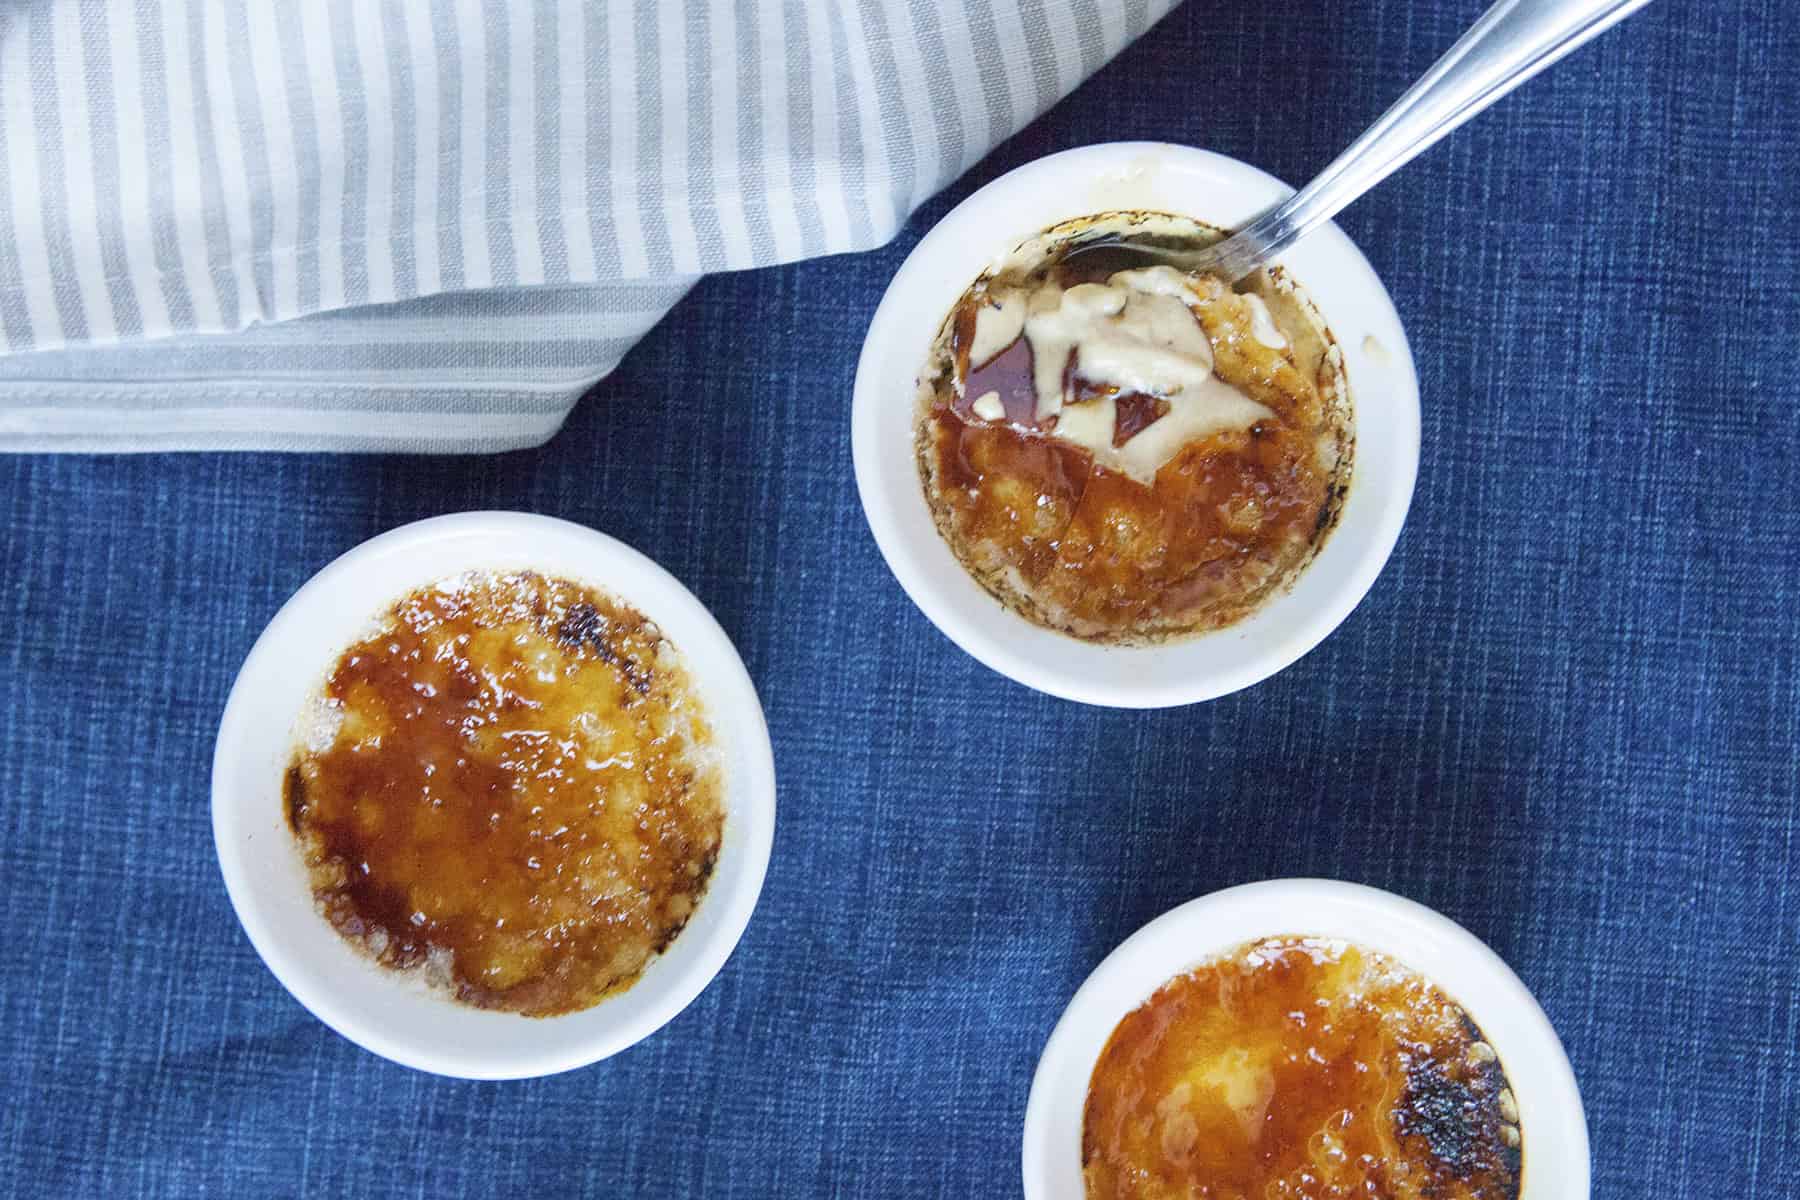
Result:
1097,554
1300,1068
519,797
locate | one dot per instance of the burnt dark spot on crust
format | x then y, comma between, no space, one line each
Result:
1446,1113
670,932
1456,1113
585,625
702,877
293,797
1328,515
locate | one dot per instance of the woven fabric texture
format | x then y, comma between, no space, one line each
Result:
1568,714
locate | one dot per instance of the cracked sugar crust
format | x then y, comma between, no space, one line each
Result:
510,788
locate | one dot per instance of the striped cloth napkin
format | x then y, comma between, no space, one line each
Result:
433,224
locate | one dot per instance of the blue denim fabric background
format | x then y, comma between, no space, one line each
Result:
1568,715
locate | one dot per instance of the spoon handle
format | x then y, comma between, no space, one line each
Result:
1513,40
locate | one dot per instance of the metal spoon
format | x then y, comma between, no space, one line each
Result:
1513,40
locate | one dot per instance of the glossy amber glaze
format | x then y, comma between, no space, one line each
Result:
1300,1069
1095,553
512,789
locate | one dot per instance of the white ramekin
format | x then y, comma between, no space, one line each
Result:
1209,187
1551,1120
388,1012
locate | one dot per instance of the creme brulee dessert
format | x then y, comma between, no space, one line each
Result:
1125,452
511,788
1300,1068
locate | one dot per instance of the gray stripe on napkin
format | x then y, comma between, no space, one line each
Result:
103,132
953,139
752,177
601,230
404,237
547,136
853,182
287,90
152,101
651,200
15,319
495,200
702,197
52,179
353,104
221,255
803,155
248,162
